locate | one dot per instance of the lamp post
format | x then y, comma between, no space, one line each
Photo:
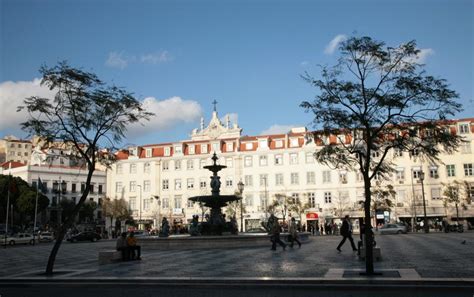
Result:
158,202
425,221
240,187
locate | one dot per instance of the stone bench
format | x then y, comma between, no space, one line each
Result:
109,256
376,253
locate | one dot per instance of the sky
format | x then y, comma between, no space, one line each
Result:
178,56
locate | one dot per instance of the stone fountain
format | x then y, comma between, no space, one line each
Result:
216,223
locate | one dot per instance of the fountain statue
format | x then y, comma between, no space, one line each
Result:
216,223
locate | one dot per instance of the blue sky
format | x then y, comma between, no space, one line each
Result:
247,55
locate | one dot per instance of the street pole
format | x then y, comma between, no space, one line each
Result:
8,207
413,225
426,227
240,187
36,211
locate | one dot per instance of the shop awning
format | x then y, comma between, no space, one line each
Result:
312,216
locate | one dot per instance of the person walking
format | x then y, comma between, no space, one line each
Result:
346,232
122,246
275,233
293,233
132,245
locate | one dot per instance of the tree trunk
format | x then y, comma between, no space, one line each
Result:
369,251
68,223
457,213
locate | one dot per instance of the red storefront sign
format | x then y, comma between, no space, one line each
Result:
312,216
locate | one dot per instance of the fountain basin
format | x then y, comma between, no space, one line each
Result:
186,242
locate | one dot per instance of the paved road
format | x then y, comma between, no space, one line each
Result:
434,255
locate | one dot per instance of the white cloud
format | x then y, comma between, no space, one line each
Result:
332,46
277,129
424,54
12,95
168,113
156,58
304,63
117,60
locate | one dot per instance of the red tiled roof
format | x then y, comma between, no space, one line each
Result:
6,165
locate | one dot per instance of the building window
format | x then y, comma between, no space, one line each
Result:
133,185
148,153
146,186
190,204
177,184
327,197
278,159
190,183
203,148
146,204
416,173
294,142
263,202
263,143
468,170
295,197
166,165
263,180
73,188
177,201
177,165
343,177
263,160
146,167
312,200
178,149
436,194
202,163
293,158
248,161
451,170
326,176
465,147
278,143
464,129
279,179
248,146
119,169
397,153
295,180
229,162
165,184
133,168
400,173
309,158
192,149
229,146
248,200
132,203
190,164
248,180
83,187
216,147
434,172
202,183
167,151
118,187
165,203
310,178
228,181
100,189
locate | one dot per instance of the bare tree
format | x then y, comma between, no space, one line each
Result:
375,100
85,115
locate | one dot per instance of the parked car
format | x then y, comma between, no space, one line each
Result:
20,238
46,236
393,229
85,236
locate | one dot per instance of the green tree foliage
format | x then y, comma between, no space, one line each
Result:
67,208
456,193
86,116
381,98
86,213
116,208
23,199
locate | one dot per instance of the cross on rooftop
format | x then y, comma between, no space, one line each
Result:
215,105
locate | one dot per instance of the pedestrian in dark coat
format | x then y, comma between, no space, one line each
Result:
346,232
275,234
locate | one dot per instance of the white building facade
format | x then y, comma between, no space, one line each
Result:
158,179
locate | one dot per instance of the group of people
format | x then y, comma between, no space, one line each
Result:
275,230
128,246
